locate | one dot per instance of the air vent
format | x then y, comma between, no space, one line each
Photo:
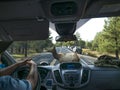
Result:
85,76
57,76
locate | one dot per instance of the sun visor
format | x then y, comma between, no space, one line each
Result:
21,30
17,9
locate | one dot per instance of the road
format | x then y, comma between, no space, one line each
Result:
52,61
87,59
84,58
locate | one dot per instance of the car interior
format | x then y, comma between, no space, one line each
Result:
22,20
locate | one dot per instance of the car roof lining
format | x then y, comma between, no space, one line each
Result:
17,9
20,9
19,17
101,8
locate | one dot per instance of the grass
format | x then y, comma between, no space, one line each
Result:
22,56
91,53
18,56
95,53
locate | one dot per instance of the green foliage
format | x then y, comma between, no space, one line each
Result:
80,42
95,42
90,53
88,45
27,47
69,43
40,45
109,39
77,35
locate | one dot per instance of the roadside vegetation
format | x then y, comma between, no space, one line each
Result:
108,41
23,49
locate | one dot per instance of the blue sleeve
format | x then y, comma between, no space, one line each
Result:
9,83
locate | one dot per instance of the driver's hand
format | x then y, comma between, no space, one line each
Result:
25,62
31,63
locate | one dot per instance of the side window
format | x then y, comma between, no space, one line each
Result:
2,65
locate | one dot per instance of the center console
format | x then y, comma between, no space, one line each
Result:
72,75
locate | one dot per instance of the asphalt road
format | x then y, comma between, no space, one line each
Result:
87,59
47,57
84,58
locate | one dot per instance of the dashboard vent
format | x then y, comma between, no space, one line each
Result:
85,76
57,76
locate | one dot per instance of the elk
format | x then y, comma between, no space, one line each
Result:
65,57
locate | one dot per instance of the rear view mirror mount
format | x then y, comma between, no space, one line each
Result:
66,38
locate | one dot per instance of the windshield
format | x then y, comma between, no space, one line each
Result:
97,41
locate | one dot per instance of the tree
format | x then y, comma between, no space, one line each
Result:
97,43
111,34
69,43
109,39
79,41
22,47
77,35
40,45
88,45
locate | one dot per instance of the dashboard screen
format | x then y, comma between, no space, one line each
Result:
70,66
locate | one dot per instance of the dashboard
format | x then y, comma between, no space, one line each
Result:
43,73
76,76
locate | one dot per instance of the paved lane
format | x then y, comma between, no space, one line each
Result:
88,59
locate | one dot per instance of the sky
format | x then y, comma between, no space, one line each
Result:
88,30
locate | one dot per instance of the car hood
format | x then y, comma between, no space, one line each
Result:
4,45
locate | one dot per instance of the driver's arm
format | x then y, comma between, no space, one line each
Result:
33,75
28,84
8,70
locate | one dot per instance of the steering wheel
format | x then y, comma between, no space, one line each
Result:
22,73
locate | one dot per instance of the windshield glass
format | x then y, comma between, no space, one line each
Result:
98,41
